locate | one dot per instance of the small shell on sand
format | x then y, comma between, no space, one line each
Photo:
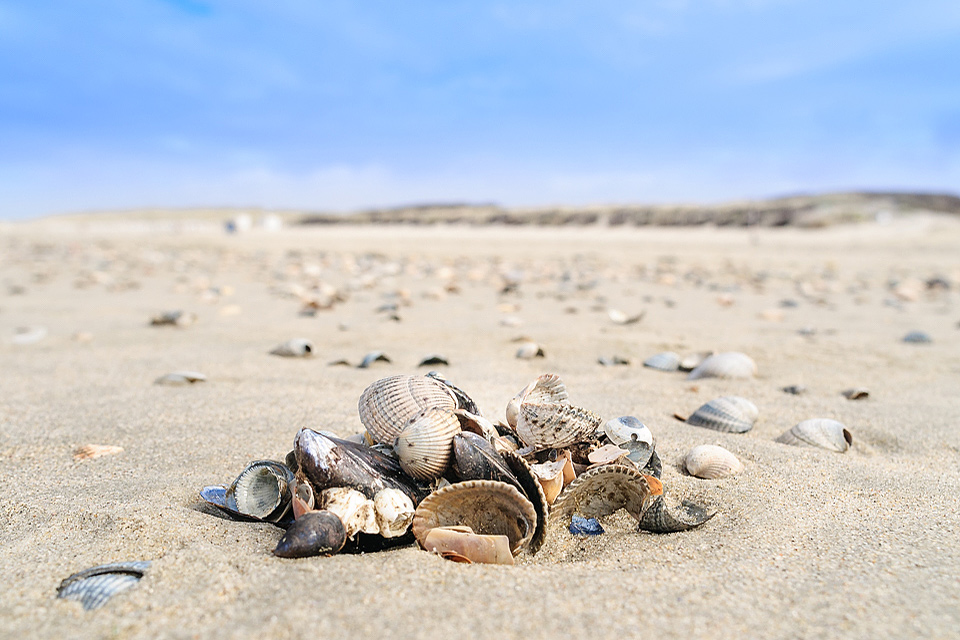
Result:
819,432
174,318
666,361
180,378
529,351
732,364
93,587
856,393
92,451
729,414
294,348
710,462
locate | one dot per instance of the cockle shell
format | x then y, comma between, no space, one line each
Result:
729,414
819,432
486,506
387,404
602,491
354,509
666,361
314,533
554,426
93,587
710,462
732,364
546,389
425,444
662,517
394,512
627,429
463,545
294,348
261,491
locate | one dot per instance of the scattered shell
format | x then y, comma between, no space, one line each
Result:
486,506
732,364
550,477
546,389
394,512
302,499
666,361
261,490
917,337
619,317
729,414
462,544
554,426
370,358
387,404
424,445
314,533
175,318
664,518
602,491
28,335
93,587
612,361
180,378
354,509
529,351
627,429
691,361
856,393
795,389
433,360
91,451
819,432
710,462
294,348
473,423
607,454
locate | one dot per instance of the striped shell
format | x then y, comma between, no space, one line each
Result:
387,404
295,348
602,491
486,506
710,462
666,361
819,432
425,444
553,426
729,414
93,587
732,364
548,388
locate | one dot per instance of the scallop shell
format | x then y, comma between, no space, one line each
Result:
554,426
534,492
819,432
425,444
486,506
710,462
294,348
666,361
315,533
627,429
261,491
664,518
732,364
387,404
546,389
394,512
729,414
93,587
602,491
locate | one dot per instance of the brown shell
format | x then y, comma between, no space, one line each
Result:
602,491
486,506
531,486
425,444
387,404
554,426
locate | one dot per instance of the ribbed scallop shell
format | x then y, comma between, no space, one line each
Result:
387,404
546,389
732,364
666,361
819,432
486,506
425,444
729,414
553,426
602,491
710,462
93,587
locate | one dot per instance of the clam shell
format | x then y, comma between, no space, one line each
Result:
425,444
93,587
554,426
534,492
662,517
476,424
486,506
261,490
602,491
394,512
856,393
387,404
463,545
666,361
529,351
627,429
729,414
732,364
314,533
294,348
710,462
819,432
546,389
354,509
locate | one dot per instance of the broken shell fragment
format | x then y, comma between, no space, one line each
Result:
666,361
315,533
546,389
425,445
856,393
819,432
664,518
386,405
433,360
462,544
174,318
180,378
92,451
710,462
370,358
729,414
550,477
354,509
93,587
529,351
580,526
732,364
627,429
917,337
607,454
294,348
612,361
394,512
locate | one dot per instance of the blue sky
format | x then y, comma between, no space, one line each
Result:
340,105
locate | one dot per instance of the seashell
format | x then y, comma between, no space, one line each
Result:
819,432
856,393
478,425
464,401
315,533
328,462
261,491
666,361
619,317
387,404
554,426
175,318
93,587
546,389
664,518
511,321
580,526
607,454
354,509
477,459
795,389
550,477
180,378
602,491
302,499
294,348
612,361
28,335
370,358
653,467
691,361
626,429
569,473
710,462
917,337
640,453
732,364
394,511
486,506
534,492
463,545
432,360
729,414
92,451
529,351
424,445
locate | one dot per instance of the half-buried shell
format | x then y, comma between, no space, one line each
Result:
665,518
710,462
425,444
602,491
294,348
732,364
666,361
93,587
387,404
819,432
729,414
463,545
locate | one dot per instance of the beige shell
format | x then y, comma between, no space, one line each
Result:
294,348
91,451
553,426
548,388
462,544
424,445
550,476
394,511
180,378
691,361
710,462
604,490
819,432
607,454
529,351
486,506
387,404
732,364
353,508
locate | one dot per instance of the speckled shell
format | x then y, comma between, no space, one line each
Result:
425,444
666,361
387,404
819,432
295,348
664,518
546,389
602,491
732,364
93,587
626,429
553,426
486,506
729,414
710,462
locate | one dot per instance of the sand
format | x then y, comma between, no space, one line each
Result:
807,543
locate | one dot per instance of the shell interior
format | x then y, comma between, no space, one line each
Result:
602,491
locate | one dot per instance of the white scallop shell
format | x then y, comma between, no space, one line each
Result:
732,364
729,414
425,443
387,404
294,348
625,429
819,432
666,361
711,462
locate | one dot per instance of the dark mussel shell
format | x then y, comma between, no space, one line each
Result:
463,400
312,534
534,492
653,467
476,459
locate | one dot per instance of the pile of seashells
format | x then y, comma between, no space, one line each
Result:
429,467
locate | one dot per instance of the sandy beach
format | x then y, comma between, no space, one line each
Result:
807,543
